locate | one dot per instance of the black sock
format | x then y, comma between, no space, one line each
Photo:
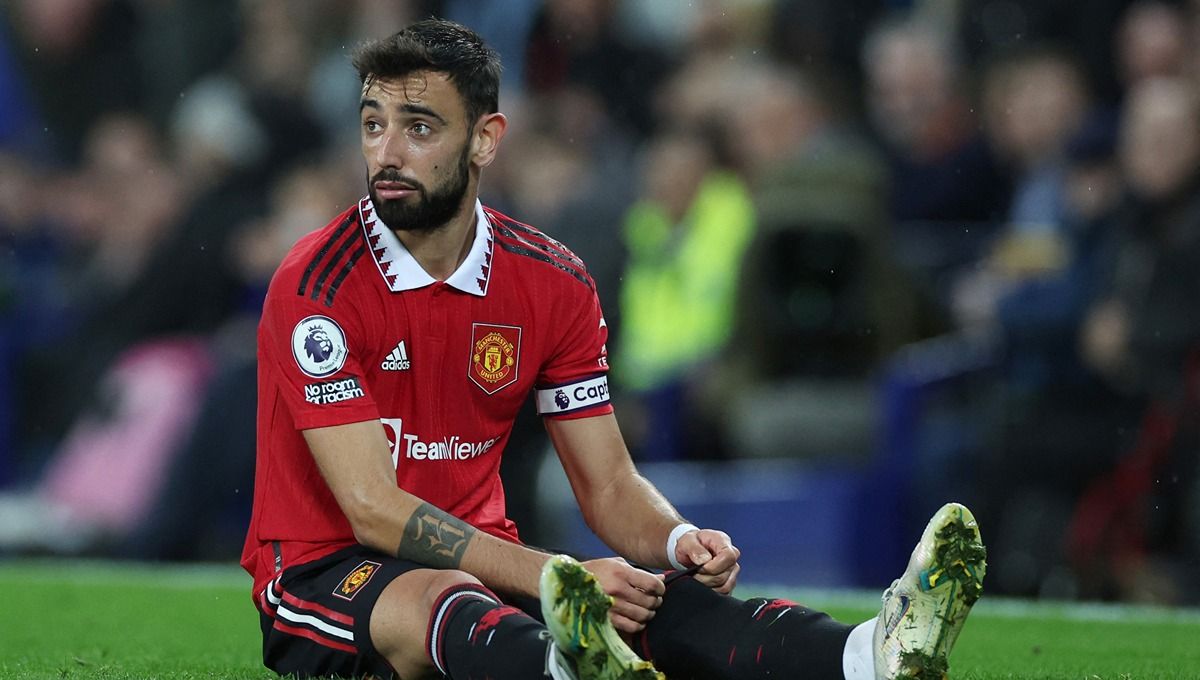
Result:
699,634
473,635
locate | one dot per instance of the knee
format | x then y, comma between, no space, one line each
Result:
442,580
400,619
418,591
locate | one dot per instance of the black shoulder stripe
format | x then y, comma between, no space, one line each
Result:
337,281
567,260
355,237
542,257
350,221
559,249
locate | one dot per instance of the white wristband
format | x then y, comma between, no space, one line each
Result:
673,541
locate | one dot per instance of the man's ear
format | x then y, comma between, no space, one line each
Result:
489,130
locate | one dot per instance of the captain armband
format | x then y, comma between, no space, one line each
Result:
571,397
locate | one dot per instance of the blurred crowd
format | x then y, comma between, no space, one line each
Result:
784,203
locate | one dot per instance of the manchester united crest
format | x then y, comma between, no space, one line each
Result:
356,579
495,356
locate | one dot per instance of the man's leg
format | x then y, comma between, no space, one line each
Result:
471,634
698,634
443,620
316,615
360,613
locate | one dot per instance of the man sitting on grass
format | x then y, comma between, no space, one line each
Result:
396,346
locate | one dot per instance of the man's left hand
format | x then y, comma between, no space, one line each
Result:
715,554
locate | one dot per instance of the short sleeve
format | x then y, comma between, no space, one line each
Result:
573,383
311,352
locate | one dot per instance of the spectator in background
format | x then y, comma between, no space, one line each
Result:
119,209
815,180
917,97
1143,335
821,302
1040,317
1048,422
1151,42
1142,328
1035,102
685,237
131,196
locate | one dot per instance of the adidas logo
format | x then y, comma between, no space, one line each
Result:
397,360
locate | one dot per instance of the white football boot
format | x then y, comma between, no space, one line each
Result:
586,646
925,609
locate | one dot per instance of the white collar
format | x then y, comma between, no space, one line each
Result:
401,271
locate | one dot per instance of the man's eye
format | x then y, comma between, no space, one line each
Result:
371,126
421,129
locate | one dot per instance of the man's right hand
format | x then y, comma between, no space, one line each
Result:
636,593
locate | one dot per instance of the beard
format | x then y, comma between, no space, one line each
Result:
432,209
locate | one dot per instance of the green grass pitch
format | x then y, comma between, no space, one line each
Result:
62,619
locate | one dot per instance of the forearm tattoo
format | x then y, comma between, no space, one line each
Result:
435,538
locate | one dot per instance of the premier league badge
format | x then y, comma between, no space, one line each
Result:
495,356
319,346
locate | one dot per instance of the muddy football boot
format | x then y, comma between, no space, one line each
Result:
924,610
586,646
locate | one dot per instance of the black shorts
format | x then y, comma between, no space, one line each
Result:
316,616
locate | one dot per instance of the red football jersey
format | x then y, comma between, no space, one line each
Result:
353,329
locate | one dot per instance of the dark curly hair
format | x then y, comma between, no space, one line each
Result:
437,45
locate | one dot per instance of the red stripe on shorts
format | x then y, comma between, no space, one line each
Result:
315,637
272,588
323,611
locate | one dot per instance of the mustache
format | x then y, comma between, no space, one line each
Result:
395,176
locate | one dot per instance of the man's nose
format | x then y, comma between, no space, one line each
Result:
390,152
